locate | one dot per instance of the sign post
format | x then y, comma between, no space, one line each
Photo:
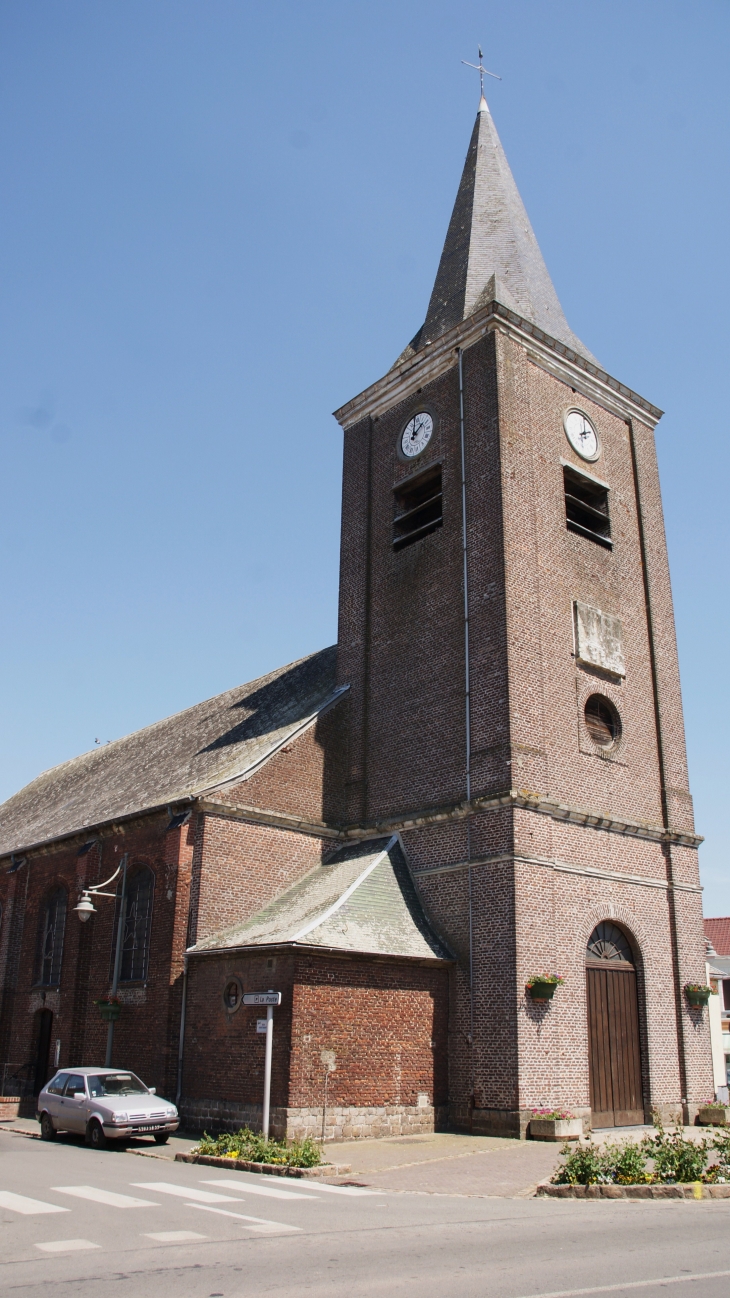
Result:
269,999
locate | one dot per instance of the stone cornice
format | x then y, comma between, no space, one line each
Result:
521,798
548,353
562,867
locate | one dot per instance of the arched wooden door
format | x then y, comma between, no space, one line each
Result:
613,1029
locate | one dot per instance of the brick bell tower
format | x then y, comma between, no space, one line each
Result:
506,630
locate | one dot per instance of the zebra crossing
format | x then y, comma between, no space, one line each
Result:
222,1196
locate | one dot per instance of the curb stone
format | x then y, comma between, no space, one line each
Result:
268,1169
690,1190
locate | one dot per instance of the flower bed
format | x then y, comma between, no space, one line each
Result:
251,1147
660,1160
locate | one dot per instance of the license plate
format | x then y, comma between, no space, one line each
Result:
155,1127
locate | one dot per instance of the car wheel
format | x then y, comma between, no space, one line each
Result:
48,1131
162,1137
95,1135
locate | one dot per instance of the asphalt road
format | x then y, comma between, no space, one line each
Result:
78,1222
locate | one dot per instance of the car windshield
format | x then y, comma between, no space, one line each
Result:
116,1084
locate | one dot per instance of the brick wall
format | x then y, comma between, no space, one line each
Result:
384,1022
144,1035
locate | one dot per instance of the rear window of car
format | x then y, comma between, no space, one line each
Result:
116,1084
56,1086
74,1083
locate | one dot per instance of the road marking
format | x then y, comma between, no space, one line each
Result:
66,1245
269,1191
632,1284
104,1196
19,1203
174,1236
260,1224
167,1187
341,1189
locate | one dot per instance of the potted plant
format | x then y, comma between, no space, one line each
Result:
110,1007
697,993
555,1124
541,987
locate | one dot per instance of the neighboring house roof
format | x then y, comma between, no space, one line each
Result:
718,931
490,252
209,745
720,963
361,899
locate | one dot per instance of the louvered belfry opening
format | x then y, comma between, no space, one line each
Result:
418,507
586,507
613,1029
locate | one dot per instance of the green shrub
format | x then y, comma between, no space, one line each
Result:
254,1148
674,1158
626,1164
584,1165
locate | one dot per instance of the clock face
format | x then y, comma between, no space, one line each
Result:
416,434
581,434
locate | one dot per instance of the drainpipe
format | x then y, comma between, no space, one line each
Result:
667,847
181,1042
467,700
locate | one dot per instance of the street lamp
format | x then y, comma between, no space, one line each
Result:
85,909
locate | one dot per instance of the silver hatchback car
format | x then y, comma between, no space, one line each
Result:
104,1104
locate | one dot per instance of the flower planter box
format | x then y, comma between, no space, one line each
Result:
110,1013
714,1115
542,991
698,997
556,1128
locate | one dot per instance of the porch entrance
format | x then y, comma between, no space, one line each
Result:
613,1029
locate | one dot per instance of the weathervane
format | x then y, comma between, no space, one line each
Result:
483,72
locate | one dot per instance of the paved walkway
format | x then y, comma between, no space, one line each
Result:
451,1163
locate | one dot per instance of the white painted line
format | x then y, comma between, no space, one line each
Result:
19,1203
632,1284
66,1245
174,1236
260,1224
268,1191
104,1196
167,1187
341,1189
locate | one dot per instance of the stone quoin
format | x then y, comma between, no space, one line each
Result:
483,782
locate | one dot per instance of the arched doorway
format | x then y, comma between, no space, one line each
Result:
43,1049
613,1029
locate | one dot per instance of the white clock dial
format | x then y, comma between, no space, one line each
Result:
416,434
581,434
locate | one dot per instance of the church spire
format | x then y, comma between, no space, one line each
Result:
491,252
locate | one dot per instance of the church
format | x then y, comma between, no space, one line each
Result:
460,842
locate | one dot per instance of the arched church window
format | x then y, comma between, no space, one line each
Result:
609,942
51,927
137,926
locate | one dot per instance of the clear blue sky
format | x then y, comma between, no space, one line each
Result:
220,220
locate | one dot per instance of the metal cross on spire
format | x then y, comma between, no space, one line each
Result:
483,72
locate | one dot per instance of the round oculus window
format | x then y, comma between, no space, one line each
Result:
603,722
232,995
416,435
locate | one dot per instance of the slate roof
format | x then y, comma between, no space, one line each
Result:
193,752
361,899
718,931
491,253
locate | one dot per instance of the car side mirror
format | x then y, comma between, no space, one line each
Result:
79,1095
153,1090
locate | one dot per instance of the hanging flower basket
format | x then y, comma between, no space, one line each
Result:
109,1009
697,993
541,987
